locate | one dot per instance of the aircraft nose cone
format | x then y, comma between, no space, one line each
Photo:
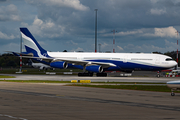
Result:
174,63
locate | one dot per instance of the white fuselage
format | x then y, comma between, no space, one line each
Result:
150,60
174,84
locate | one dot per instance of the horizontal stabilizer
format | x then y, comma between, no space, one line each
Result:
19,54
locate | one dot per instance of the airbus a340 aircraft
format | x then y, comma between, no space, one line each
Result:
95,62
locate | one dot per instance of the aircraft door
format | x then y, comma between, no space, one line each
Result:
157,60
125,59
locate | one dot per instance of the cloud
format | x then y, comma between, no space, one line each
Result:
3,0
126,33
165,32
68,3
146,48
5,36
142,48
37,22
43,25
120,48
130,32
45,28
170,46
158,32
73,43
9,13
156,11
10,46
75,4
147,32
106,47
154,1
77,49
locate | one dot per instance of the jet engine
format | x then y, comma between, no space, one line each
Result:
60,64
95,68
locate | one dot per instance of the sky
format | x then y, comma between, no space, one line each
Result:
141,25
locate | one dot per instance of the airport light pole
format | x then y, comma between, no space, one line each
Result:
96,30
177,49
20,70
114,31
99,47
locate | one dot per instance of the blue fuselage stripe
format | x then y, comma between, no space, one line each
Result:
128,65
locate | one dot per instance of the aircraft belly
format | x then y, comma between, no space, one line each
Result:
173,85
125,66
137,66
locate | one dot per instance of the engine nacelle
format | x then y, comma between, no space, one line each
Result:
61,65
95,68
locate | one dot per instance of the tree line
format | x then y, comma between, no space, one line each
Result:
9,60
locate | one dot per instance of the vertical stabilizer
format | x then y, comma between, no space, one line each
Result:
31,45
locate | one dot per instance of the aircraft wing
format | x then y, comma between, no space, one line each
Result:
74,62
87,63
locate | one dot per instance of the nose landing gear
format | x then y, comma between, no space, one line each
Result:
158,74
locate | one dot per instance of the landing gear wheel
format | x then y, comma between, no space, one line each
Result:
89,74
158,75
101,74
172,94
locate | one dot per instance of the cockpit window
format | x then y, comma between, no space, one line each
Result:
169,59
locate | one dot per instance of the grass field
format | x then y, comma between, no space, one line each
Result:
3,76
36,81
36,71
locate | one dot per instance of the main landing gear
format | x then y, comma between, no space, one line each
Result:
90,74
172,93
158,74
174,89
101,74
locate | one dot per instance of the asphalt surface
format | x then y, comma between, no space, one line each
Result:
30,101
43,101
93,79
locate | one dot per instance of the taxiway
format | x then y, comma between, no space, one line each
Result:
93,79
30,101
37,101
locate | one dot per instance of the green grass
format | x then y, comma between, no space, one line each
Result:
37,72
36,81
128,83
3,76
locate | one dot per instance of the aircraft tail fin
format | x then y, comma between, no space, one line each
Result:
31,45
